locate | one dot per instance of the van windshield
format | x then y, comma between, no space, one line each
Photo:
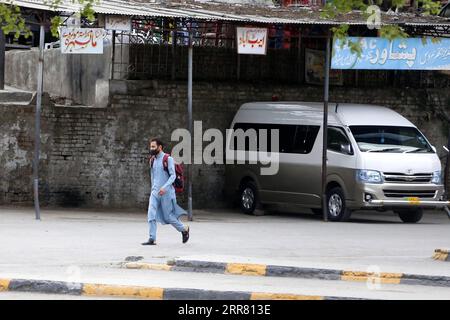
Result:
390,139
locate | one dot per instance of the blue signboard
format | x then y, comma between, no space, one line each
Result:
399,54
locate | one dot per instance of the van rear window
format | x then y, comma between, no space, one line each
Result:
292,138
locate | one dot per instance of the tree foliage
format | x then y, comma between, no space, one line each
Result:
86,11
334,8
12,21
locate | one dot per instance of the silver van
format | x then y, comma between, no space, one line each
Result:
376,159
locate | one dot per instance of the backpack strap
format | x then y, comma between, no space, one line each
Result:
166,162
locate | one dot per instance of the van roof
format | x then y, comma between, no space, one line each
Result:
347,113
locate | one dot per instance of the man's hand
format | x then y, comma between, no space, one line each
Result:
162,191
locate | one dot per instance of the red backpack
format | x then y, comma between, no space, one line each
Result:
179,173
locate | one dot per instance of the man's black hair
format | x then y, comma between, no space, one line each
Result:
158,142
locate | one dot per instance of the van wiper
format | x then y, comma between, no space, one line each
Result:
383,150
416,150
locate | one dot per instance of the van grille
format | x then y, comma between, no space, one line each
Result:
408,178
409,193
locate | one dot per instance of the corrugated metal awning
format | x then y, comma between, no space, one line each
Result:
231,12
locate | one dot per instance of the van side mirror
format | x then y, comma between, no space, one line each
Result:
434,149
346,148
446,149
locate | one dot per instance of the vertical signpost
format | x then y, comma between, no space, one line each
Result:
325,128
2,59
447,170
37,129
189,106
73,40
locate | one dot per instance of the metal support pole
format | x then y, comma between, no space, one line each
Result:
447,168
300,71
325,129
446,174
174,50
37,130
190,53
113,53
2,59
238,71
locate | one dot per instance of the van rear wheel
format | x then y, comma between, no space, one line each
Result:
410,215
336,207
249,198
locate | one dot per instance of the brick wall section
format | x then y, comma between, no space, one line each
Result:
96,157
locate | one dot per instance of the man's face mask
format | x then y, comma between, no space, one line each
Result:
154,150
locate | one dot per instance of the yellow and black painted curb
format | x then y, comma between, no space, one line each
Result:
153,293
295,272
441,254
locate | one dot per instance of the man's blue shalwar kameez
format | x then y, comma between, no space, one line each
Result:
163,209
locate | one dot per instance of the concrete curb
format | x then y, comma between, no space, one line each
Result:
295,272
441,254
14,96
154,293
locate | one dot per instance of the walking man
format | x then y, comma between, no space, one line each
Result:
162,206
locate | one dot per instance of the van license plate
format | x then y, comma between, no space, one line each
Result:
413,200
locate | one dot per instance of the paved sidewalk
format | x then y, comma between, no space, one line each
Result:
71,239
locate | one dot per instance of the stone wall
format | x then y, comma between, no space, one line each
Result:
96,157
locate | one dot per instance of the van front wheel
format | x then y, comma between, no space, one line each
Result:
410,216
336,207
248,198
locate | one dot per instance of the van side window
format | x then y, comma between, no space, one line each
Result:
292,138
338,141
305,136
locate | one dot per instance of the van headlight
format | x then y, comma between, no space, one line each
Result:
369,176
437,177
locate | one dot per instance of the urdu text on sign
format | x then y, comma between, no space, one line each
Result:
399,54
82,40
252,40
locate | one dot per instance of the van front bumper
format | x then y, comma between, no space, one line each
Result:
395,195
439,204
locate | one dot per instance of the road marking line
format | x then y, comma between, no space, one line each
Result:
383,277
118,290
282,296
149,266
4,284
246,269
